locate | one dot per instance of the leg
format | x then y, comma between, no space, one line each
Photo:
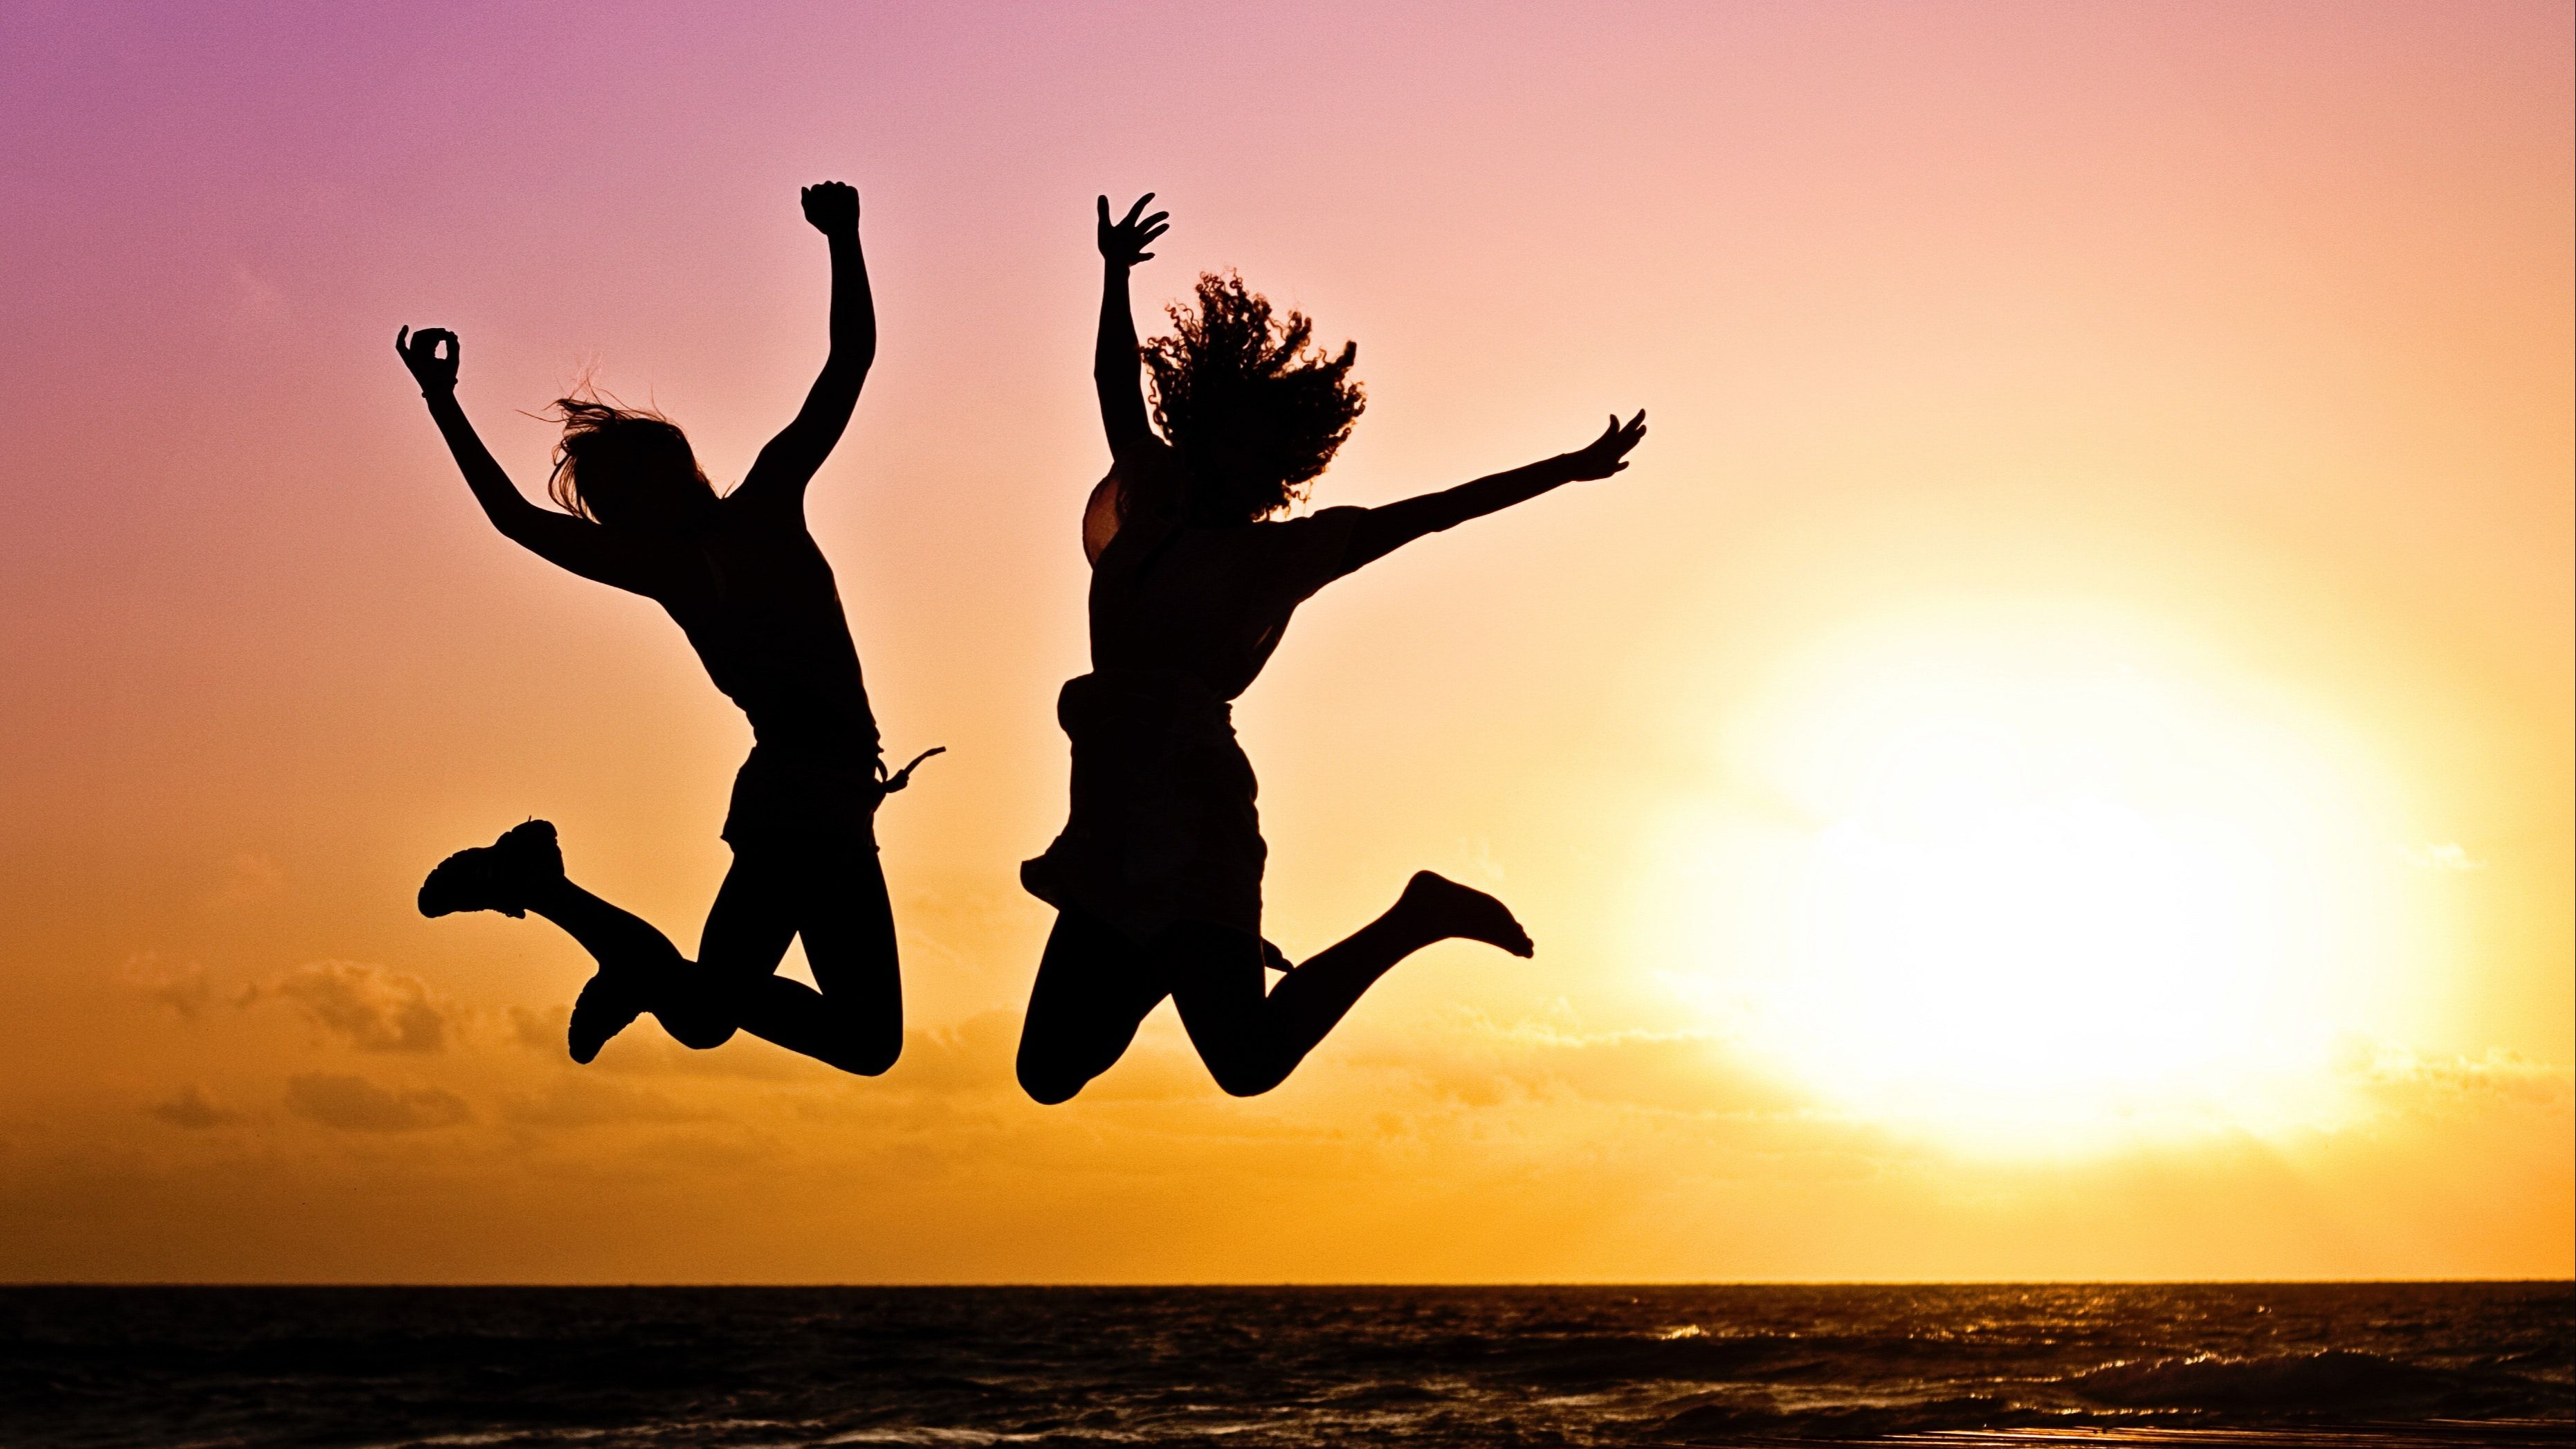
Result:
836,898
1091,994
765,899
522,872
1251,1042
836,894
618,938
637,964
1216,980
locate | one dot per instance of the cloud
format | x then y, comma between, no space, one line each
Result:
970,1056
2444,855
589,1102
540,1028
249,878
2407,1079
192,1108
183,988
354,1104
1482,1063
375,1008
1680,1071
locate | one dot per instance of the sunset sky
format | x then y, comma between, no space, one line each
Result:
2054,763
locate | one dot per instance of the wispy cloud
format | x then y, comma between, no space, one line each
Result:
373,1008
180,986
1482,1062
539,1028
575,1102
192,1109
2408,1078
2442,855
249,878
354,1104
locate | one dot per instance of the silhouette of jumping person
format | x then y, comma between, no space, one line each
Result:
1156,878
743,579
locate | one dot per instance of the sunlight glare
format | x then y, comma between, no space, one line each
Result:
2025,890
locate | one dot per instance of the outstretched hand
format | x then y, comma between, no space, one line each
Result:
1123,243
1608,453
419,352
832,206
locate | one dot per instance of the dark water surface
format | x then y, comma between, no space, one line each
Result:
611,1368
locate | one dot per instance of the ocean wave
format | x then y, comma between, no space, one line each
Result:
2338,1379
1730,1423
1569,1368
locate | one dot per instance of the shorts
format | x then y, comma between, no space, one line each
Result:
800,800
1164,824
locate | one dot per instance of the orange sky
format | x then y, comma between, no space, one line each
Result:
1994,352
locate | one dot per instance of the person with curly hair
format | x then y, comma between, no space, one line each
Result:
741,575
1156,877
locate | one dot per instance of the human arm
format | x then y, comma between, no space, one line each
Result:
791,458
572,543
1113,357
1381,531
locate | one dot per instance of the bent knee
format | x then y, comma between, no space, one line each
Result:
1049,1086
1247,1079
871,1058
700,1036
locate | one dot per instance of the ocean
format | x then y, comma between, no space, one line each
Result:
622,1368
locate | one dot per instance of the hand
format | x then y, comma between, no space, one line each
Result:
833,207
1608,453
419,352
1122,244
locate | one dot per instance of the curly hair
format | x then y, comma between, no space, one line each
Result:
1253,411
609,453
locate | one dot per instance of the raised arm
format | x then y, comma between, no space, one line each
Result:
561,539
1381,531
788,463
1113,358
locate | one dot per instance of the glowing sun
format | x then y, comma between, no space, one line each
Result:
2034,889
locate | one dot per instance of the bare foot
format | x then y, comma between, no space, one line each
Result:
1449,909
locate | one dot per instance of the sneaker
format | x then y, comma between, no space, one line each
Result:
605,1007
496,877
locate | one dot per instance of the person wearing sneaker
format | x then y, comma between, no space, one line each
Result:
741,575
1156,877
